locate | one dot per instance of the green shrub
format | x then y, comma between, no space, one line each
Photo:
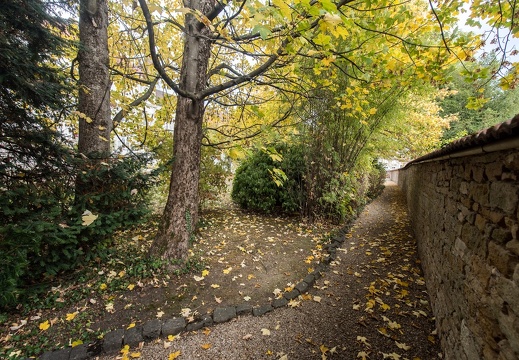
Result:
41,225
313,185
377,177
253,187
271,179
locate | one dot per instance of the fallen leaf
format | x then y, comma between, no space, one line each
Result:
228,270
206,346
265,332
103,286
130,287
198,278
135,355
218,300
246,298
44,325
363,340
284,357
205,272
215,286
385,307
88,218
132,325
160,314
206,331
383,331
76,343
247,337
362,355
71,316
317,299
174,355
306,297
402,346
294,303
393,356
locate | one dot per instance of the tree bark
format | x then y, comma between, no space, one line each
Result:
94,80
180,215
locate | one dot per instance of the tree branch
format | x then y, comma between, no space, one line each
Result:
122,113
154,56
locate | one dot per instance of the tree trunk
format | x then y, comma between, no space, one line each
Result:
94,80
180,215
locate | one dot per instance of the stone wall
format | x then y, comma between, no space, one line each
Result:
465,214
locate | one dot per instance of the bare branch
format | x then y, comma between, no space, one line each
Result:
122,113
154,56
441,26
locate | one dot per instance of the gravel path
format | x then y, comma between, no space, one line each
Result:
371,303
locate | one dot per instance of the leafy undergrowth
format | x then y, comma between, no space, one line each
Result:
236,258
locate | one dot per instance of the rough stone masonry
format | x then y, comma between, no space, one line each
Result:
465,216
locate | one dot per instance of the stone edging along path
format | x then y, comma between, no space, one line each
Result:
114,340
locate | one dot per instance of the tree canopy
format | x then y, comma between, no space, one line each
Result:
342,82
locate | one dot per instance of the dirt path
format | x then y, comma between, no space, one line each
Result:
371,303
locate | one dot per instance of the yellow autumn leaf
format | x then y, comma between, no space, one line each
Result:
125,350
171,337
76,343
215,286
88,218
205,272
44,325
131,287
228,270
323,349
131,326
71,316
206,346
103,286
135,355
174,355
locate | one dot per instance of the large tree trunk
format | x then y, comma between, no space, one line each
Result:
181,212
94,80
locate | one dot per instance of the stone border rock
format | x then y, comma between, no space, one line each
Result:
114,340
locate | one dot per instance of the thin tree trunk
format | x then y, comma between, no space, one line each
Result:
94,80
181,212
